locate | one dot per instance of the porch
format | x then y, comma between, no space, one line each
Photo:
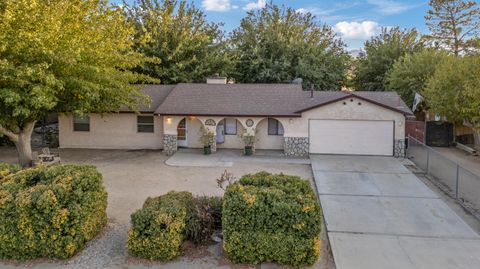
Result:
270,133
187,157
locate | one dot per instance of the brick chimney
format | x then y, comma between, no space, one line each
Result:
216,79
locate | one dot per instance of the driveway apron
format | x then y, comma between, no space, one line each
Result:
380,215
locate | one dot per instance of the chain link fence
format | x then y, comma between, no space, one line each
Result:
461,183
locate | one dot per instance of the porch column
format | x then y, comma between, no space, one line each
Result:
169,144
213,143
170,124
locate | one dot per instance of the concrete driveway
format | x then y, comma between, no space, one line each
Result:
379,215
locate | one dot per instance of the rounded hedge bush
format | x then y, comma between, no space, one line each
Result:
164,222
271,218
157,228
50,212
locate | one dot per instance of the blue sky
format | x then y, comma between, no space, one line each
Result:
355,21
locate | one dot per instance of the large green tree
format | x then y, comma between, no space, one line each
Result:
277,44
454,91
454,24
189,48
411,72
62,56
381,52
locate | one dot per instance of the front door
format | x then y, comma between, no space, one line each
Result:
182,133
220,132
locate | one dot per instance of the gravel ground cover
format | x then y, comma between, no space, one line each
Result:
132,176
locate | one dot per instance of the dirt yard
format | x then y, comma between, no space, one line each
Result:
132,176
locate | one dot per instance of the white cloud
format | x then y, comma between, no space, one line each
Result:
357,30
216,5
303,10
389,7
255,5
333,13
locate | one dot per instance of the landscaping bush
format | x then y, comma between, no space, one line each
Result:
159,228
204,216
7,169
271,218
50,212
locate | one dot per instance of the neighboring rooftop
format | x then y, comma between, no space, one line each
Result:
288,100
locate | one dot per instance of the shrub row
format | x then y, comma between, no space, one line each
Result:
8,169
49,212
164,222
271,218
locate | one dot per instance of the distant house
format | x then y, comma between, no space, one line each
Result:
282,117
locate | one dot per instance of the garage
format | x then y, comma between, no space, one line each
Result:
352,137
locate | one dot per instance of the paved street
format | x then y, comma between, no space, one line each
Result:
379,215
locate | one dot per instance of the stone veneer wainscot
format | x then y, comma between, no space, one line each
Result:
169,144
399,148
296,146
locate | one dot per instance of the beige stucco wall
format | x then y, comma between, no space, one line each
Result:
298,127
265,141
112,131
119,131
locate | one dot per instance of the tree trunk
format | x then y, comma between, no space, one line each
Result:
476,138
24,149
476,133
22,141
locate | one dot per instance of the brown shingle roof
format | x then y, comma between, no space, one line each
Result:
260,100
157,94
232,100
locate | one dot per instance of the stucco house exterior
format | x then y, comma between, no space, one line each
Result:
281,116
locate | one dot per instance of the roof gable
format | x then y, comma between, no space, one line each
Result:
389,100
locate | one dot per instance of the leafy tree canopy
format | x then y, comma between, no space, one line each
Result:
381,52
454,91
277,44
62,56
189,48
454,24
410,73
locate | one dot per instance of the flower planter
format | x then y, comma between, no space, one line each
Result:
248,150
207,150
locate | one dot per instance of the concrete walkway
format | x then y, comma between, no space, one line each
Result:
227,157
379,215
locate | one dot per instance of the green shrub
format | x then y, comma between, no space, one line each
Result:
7,169
50,212
271,218
164,222
157,228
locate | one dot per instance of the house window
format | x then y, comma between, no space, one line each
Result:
145,124
230,126
81,124
274,127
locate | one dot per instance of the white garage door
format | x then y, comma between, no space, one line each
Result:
356,137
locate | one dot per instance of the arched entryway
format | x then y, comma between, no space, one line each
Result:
182,138
269,133
228,133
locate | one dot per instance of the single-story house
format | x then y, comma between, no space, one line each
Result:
281,116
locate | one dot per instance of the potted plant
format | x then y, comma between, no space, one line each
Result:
249,140
206,138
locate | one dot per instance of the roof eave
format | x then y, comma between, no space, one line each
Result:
229,115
